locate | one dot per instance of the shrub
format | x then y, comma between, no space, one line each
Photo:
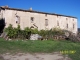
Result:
14,33
58,31
35,31
10,31
27,31
17,33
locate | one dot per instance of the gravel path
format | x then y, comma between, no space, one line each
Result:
34,56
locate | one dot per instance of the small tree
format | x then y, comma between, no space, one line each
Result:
27,32
10,31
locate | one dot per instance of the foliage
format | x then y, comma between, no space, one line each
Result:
50,33
17,33
14,32
42,32
27,31
58,31
10,31
35,31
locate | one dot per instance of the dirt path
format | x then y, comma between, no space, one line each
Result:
35,56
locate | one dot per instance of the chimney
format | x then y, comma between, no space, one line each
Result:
5,6
30,9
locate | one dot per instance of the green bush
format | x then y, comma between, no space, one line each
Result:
27,31
17,33
58,31
35,31
10,31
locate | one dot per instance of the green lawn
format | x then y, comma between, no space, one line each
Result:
41,47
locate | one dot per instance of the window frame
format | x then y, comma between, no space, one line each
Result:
66,19
32,19
0,9
57,23
46,15
17,19
67,26
46,22
73,25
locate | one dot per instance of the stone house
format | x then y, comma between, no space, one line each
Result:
36,19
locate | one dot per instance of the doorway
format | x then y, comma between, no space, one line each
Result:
2,25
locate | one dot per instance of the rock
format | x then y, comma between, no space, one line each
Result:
35,37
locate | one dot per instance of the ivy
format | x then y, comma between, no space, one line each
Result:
17,33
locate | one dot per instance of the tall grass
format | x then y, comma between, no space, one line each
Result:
48,46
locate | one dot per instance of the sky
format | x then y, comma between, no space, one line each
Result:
65,7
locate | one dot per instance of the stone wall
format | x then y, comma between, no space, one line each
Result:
39,20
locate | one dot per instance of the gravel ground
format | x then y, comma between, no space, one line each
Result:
34,56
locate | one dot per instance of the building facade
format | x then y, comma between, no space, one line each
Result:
36,19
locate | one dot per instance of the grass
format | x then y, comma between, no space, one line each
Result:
48,46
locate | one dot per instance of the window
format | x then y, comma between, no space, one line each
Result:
46,22
46,15
17,19
66,18
73,26
0,9
57,23
57,16
67,26
32,19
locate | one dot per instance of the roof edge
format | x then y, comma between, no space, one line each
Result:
36,12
